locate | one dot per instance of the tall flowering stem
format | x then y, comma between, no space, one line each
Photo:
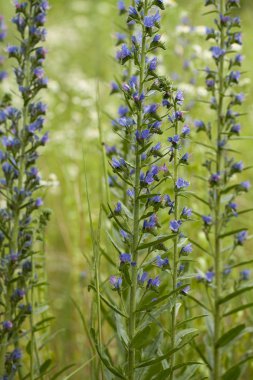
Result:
146,282
19,217
221,81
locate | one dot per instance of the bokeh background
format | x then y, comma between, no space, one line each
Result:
80,66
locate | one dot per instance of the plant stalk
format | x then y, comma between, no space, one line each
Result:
135,234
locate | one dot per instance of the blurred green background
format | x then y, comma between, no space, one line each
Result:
81,50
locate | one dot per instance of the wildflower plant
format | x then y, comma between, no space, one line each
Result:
223,237
21,218
149,281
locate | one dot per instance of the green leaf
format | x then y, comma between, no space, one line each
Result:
199,246
121,331
44,367
245,211
232,232
114,308
198,302
161,299
142,337
146,196
105,360
233,373
237,309
235,294
57,374
242,263
181,334
198,197
191,319
230,335
165,356
158,240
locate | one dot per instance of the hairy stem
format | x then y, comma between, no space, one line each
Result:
175,261
132,311
217,258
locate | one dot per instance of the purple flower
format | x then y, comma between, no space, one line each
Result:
118,164
141,136
235,129
125,258
133,12
162,263
38,203
114,88
185,130
124,235
16,355
215,179
151,21
181,183
186,213
151,109
7,325
241,237
150,224
142,278
187,249
123,54
154,283
121,7
200,125
217,52
237,167
116,282
207,219
234,77
184,159
209,276
121,37
245,275
244,186
175,225
118,208
175,140
152,64
179,98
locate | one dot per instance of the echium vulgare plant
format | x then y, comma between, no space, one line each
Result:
20,217
223,237
150,279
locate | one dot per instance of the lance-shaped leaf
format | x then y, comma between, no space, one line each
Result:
237,309
108,303
230,335
160,239
234,294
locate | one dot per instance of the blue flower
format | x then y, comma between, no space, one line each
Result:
116,282
187,249
209,276
215,179
151,109
141,136
244,186
186,213
151,21
185,130
245,275
142,278
184,159
123,54
207,219
234,77
241,237
217,52
150,224
118,208
179,98
175,140
118,164
154,283
162,263
125,258
175,225
121,7
200,125
181,183
152,64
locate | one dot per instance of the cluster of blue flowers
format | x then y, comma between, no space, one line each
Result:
21,136
140,166
222,80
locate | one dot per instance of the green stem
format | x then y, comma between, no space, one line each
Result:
132,311
217,258
175,261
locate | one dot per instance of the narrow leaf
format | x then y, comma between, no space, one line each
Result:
230,335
